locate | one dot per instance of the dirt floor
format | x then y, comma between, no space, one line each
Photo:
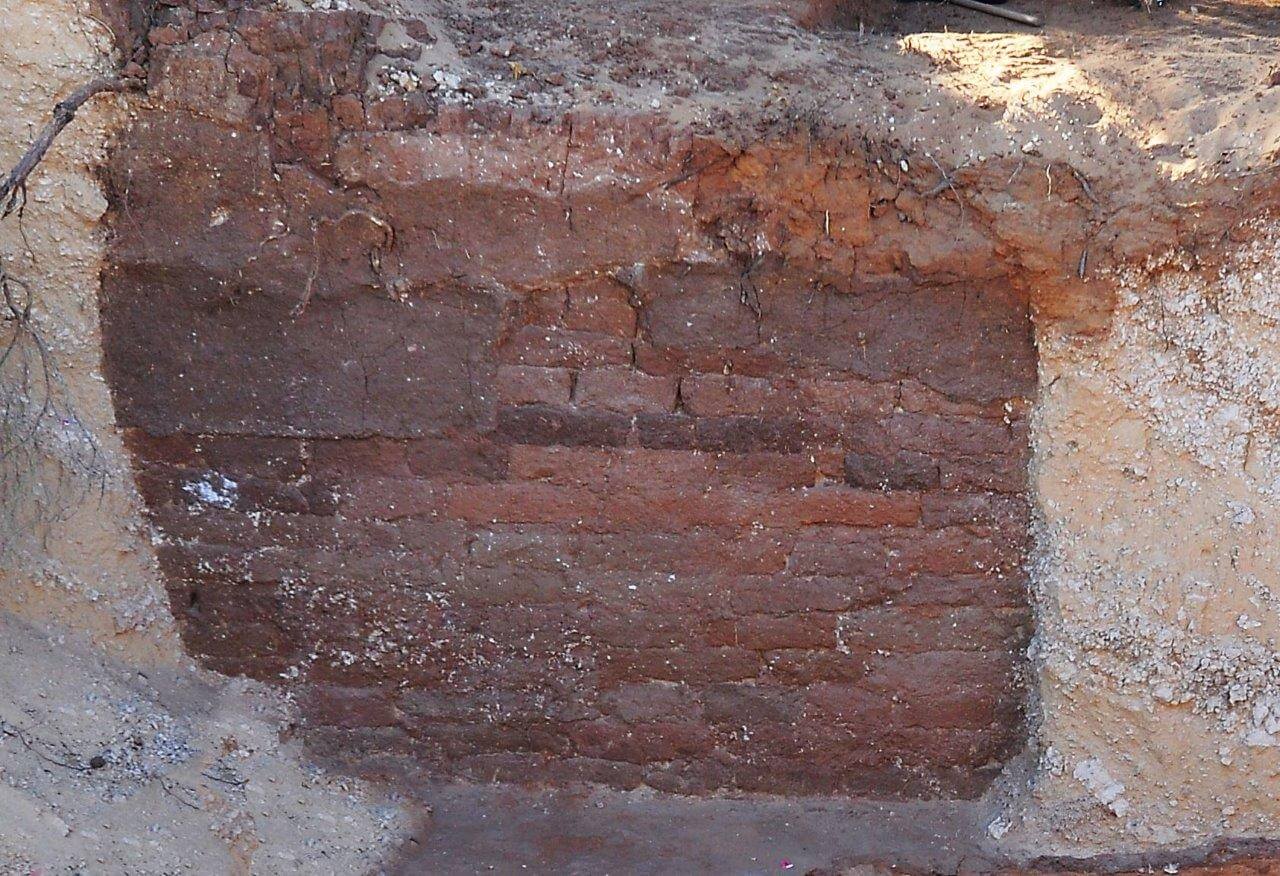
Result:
1159,697
109,769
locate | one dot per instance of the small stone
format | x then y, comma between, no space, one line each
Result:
97,762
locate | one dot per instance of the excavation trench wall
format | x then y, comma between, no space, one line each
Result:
571,449
555,444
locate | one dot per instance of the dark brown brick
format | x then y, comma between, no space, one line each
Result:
905,470
539,424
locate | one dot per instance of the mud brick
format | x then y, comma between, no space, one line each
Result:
723,395
640,742
527,546
1008,512
540,424
938,671
418,704
543,308
846,507
603,523
953,550
456,460
503,585
802,667
348,110
635,702
346,707
625,390
525,385
953,436
749,704
308,135
569,466
923,629
845,551
905,470
686,552
523,502
394,498
546,347
754,434
257,494
852,706
600,306
999,474
667,431
678,664
358,457
255,649
578,770
1001,589
696,309
760,594
767,632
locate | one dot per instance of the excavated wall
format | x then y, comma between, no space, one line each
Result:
498,440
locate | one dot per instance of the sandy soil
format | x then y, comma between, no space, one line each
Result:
108,769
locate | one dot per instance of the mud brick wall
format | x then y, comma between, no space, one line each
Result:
507,445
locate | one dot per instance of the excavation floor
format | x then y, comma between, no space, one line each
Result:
492,829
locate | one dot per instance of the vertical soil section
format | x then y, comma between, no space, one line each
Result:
508,444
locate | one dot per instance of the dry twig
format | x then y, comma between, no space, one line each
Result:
38,424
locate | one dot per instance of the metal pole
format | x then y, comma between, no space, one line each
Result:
999,12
